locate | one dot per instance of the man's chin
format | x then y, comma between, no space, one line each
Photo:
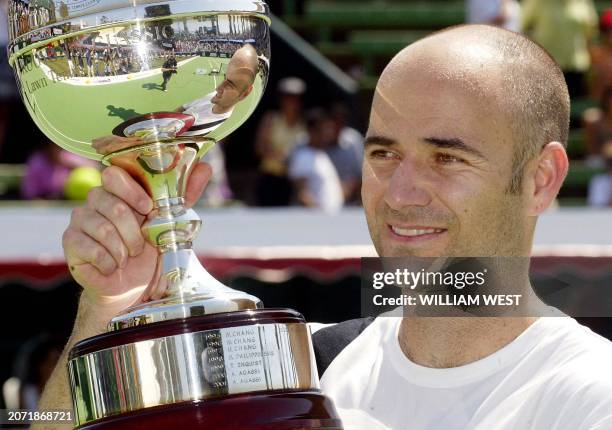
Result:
408,251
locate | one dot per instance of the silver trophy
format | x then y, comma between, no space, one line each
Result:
151,87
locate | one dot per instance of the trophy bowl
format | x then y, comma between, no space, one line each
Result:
151,87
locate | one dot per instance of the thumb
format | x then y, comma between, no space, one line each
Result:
200,175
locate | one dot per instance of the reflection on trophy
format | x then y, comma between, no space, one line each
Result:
150,87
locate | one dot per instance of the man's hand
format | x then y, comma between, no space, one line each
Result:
104,246
108,255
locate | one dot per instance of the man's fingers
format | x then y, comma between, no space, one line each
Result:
82,249
105,233
200,175
116,181
123,217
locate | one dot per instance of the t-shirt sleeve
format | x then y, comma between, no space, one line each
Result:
197,103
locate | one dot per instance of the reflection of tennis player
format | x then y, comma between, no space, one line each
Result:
168,69
69,55
213,109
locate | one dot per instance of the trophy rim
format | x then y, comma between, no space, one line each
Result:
172,308
179,326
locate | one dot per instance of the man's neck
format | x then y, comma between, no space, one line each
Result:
443,342
217,110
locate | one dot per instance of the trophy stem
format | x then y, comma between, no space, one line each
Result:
189,290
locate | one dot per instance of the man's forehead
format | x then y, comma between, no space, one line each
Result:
425,97
433,74
426,106
439,60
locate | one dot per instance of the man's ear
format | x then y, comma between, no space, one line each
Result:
546,177
246,93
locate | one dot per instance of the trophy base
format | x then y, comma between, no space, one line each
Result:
267,411
251,369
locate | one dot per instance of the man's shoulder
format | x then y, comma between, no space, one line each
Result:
578,386
579,358
329,341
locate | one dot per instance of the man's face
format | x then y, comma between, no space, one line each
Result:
438,161
234,87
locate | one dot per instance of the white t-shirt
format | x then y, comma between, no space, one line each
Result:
600,190
321,178
555,375
205,119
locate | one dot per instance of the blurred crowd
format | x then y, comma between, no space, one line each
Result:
581,43
308,158
312,157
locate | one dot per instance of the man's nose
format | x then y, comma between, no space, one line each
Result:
408,186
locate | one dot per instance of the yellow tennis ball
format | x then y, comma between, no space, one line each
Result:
80,181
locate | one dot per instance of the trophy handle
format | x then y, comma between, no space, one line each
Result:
163,169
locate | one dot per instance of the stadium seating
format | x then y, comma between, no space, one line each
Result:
364,35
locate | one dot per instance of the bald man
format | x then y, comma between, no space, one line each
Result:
465,149
213,109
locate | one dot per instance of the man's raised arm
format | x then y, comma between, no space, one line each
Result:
109,257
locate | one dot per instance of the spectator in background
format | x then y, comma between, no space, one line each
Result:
277,135
601,57
81,62
501,13
346,153
564,28
600,187
34,363
89,62
598,129
47,171
69,58
315,181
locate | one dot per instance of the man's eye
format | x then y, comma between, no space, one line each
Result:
448,159
381,154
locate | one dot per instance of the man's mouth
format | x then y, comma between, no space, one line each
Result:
416,232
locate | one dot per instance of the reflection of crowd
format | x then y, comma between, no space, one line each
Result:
28,16
99,61
189,47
